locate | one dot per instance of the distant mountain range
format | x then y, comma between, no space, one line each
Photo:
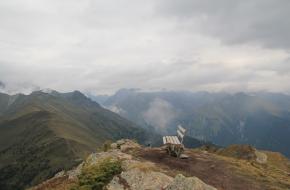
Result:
45,132
260,119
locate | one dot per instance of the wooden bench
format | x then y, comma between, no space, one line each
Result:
174,144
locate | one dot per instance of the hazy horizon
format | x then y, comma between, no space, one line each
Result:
96,94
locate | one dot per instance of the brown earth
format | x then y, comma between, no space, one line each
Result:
57,183
220,171
210,168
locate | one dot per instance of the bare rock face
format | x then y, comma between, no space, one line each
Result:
261,157
188,183
114,146
73,174
136,179
114,154
126,144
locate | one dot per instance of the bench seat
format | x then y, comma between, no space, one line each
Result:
171,140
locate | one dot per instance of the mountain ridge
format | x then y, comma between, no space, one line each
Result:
261,119
42,133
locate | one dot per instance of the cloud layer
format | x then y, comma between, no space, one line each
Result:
159,114
101,46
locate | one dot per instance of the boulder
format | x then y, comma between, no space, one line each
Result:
60,174
114,146
127,144
188,183
73,174
113,154
261,157
137,179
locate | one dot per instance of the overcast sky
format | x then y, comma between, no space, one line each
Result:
101,46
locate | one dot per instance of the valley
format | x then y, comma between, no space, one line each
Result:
260,119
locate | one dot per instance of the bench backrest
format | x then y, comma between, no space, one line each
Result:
180,133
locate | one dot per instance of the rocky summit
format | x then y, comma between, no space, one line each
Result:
126,165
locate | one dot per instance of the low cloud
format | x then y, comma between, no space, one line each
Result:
159,114
117,110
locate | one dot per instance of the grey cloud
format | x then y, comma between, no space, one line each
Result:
2,85
101,46
159,114
264,22
117,110
281,68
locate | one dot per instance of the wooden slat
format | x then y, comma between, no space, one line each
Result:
167,139
164,140
171,140
180,134
176,140
181,129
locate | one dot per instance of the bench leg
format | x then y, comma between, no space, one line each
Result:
175,151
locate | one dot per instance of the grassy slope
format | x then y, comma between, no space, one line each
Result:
41,134
32,152
272,175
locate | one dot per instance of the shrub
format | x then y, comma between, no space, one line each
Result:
107,146
95,177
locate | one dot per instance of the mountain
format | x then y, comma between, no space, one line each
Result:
2,85
127,165
98,98
45,132
260,119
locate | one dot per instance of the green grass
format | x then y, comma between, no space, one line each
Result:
273,175
41,134
95,177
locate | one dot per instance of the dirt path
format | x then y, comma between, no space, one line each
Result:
203,165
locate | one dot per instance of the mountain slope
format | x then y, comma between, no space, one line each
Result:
42,133
259,119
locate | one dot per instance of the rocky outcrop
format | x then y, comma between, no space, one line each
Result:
136,174
125,145
238,167
261,157
188,183
113,154
139,175
136,179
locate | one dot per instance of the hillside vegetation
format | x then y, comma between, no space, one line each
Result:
43,133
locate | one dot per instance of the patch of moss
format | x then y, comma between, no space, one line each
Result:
95,177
